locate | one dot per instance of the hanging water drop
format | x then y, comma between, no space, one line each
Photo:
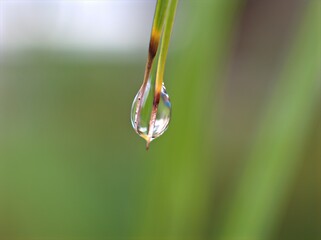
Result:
151,108
141,112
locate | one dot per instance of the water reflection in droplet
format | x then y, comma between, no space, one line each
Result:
140,119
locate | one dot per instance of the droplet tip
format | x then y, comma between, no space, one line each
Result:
147,144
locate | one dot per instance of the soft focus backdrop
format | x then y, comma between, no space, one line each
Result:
240,160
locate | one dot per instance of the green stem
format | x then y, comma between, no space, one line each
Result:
159,16
169,22
158,23
165,44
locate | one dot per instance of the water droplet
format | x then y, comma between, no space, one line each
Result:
141,118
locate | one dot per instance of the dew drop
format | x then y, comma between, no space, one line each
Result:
140,118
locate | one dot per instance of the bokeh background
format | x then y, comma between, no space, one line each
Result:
240,160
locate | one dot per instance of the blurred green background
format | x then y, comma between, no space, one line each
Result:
241,157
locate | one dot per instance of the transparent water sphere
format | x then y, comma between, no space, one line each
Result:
141,119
